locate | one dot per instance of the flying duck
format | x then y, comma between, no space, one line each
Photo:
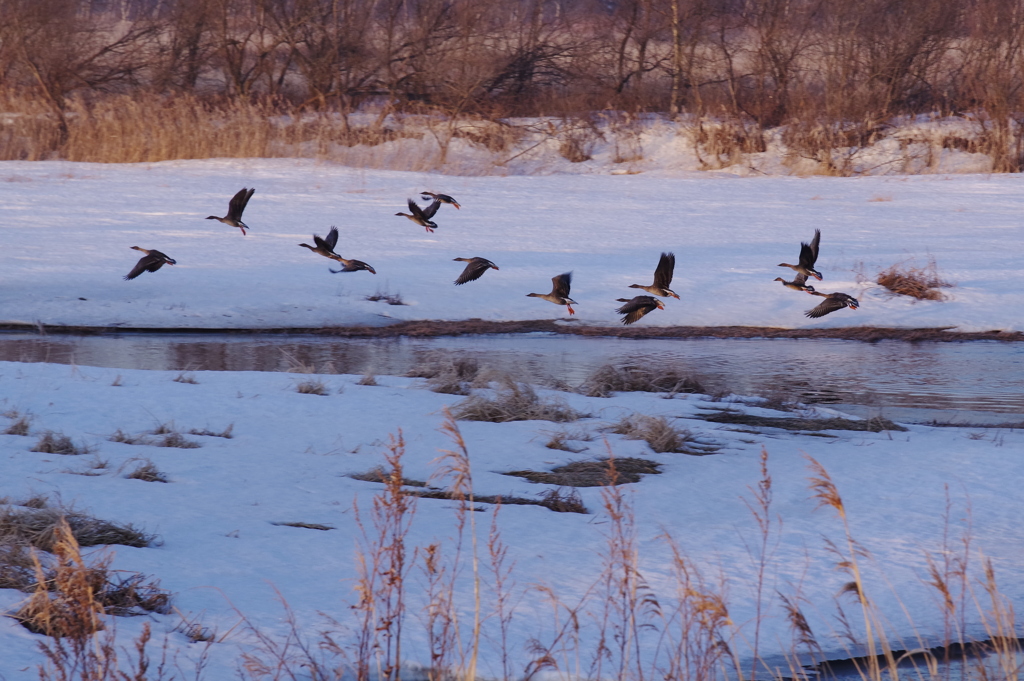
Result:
443,198
235,207
808,256
151,262
832,302
474,269
559,292
799,283
325,247
421,216
662,279
637,307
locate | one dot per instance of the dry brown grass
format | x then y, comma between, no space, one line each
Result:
447,375
226,433
19,424
872,425
58,443
660,434
164,435
514,402
147,472
186,377
640,378
920,282
38,527
367,379
592,473
311,386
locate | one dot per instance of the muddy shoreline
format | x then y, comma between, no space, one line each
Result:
426,329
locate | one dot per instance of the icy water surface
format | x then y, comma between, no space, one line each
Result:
908,380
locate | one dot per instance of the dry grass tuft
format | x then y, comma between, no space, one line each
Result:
19,423
184,377
205,432
389,298
563,501
147,472
514,402
907,279
58,443
597,473
657,432
311,386
367,379
178,441
637,378
561,439
37,527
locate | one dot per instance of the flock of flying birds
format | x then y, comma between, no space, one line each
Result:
632,310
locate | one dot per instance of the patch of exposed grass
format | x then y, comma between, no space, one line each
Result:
661,435
19,423
920,282
58,443
164,435
640,378
872,425
178,441
308,526
562,439
389,298
592,473
377,474
186,377
311,386
36,527
514,402
147,472
448,376
367,379
226,433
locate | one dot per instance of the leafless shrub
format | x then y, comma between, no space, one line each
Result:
184,377
147,472
514,402
656,431
722,142
19,423
311,387
640,378
921,282
58,443
577,139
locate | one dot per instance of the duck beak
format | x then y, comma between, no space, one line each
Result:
371,270
494,266
457,206
676,296
661,305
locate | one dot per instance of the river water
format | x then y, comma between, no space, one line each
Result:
979,381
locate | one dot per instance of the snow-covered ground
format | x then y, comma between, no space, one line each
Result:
67,230
290,455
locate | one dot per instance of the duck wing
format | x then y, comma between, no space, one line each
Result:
560,284
475,269
809,252
429,211
238,203
416,211
636,308
825,307
666,268
145,264
332,238
800,279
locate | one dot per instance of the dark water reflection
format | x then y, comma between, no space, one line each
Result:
977,376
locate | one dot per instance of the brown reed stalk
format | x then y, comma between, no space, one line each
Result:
769,527
454,466
383,570
628,605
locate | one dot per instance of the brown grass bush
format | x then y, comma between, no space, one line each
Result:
312,386
147,472
657,432
38,527
19,423
920,282
206,432
640,378
514,402
58,443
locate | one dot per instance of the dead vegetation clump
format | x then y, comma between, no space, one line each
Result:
871,425
58,443
389,298
205,432
38,527
514,401
562,439
147,472
164,435
177,441
661,435
920,282
19,423
306,526
597,473
448,376
639,378
367,379
311,386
